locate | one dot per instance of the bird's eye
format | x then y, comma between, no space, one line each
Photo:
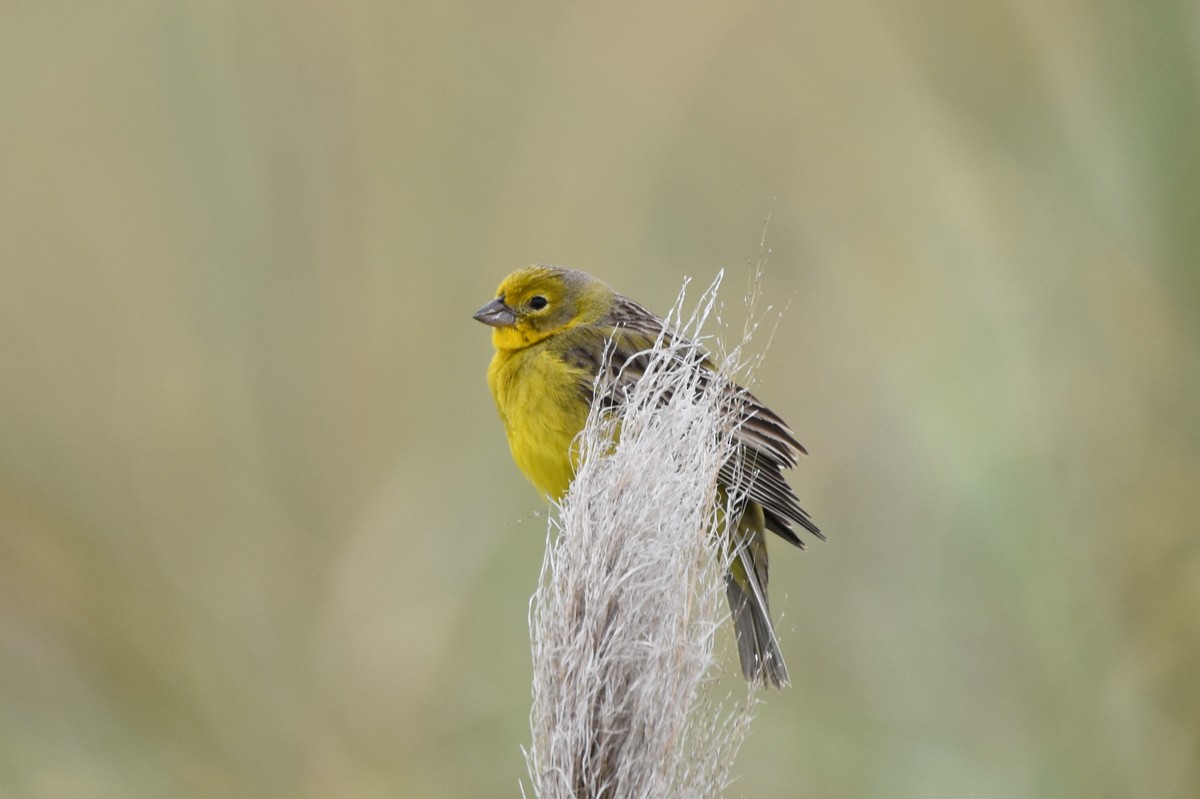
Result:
538,302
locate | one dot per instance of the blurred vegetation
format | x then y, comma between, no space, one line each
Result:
260,535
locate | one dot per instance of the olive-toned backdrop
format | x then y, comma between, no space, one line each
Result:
260,535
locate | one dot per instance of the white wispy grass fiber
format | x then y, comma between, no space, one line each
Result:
632,592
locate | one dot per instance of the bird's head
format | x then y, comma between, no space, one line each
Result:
538,301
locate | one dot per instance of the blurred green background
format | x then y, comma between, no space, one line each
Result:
260,535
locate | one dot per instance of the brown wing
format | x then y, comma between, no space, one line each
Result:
765,443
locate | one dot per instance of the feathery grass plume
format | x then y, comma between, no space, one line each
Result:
632,592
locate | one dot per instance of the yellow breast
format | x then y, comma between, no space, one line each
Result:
539,401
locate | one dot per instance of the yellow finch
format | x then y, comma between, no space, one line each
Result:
550,327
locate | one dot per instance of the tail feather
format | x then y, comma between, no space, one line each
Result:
758,647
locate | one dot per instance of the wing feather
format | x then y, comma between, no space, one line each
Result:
765,444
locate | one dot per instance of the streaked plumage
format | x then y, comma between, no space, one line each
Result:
550,329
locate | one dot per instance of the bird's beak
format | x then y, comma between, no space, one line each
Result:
496,314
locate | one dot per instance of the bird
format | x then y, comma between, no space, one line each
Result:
553,330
